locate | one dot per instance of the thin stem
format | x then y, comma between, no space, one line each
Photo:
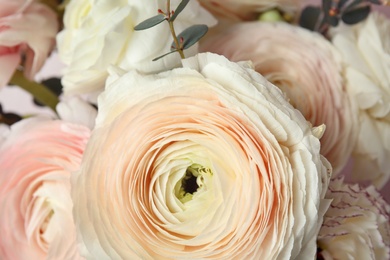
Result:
172,29
39,91
178,47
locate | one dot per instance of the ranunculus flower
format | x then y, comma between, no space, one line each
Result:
37,158
307,68
27,29
99,33
366,51
357,224
208,161
244,10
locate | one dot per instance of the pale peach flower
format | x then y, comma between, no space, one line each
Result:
208,161
357,224
366,51
37,157
27,29
100,33
244,10
307,68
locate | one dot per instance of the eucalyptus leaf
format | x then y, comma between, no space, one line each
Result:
310,17
159,57
191,35
356,15
150,22
178,10
342,3
376,2
329,19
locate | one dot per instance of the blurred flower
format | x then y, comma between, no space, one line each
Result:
307,68
244,10
99,33
76,110
366,51
205,161
27,35
357,224
37,157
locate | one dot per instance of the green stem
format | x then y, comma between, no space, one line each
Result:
178,48
172,29
39,91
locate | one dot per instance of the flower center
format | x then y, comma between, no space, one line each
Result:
192,182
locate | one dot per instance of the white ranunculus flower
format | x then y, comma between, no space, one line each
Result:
208,161
366,51
99,33
357,224
78,111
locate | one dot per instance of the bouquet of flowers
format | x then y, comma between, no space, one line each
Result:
196,129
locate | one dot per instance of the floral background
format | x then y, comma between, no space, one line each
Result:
16,100
201,157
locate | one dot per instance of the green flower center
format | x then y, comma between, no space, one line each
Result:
192,182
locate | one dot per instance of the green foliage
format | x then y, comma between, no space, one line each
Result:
178,10
191,35
332,11
150,22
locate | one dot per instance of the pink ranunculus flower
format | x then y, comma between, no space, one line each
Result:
208,161
100,33
307,68
357,224
28,29
366,53
245,10
37,157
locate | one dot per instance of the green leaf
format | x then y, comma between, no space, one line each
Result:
310,17
148,23
159,57
191,35
356,15
178,10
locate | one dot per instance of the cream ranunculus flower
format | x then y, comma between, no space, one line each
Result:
357,224
244,10
307,68
37,157
99,33
208,161
366,52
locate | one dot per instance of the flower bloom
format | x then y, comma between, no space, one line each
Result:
26,28
307,68
366,51
208,161
245,10
37,157
357,224
100,33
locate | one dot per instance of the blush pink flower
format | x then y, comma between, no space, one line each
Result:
244,10
28,29
307,68
357,224
208,161
37,157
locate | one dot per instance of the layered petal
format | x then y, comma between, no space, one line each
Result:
307,68
208,161
37,157
100,33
